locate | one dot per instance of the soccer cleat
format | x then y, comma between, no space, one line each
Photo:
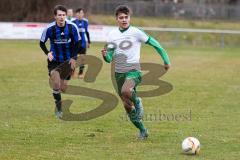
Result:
139,109
58,110
59,114
143,134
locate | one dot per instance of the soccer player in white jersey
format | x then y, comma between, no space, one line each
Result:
123,46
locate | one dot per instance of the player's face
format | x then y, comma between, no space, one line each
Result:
123,20
69,12
80,15
60,18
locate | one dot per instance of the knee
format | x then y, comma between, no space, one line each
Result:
55,76
55,80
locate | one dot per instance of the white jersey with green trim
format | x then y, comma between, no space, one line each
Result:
126,44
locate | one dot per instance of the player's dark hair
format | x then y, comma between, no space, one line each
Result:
79,10
122,9
59,7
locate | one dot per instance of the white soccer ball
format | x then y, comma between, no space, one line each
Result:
191,145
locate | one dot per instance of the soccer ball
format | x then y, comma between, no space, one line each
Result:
191,145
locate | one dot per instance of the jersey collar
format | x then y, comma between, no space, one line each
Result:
62,26
123,30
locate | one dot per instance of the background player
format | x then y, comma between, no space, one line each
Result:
70,15
82,24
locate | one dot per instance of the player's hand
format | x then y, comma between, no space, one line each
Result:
167,66
73,63
104,52
50,56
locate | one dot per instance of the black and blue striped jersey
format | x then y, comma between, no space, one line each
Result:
82,25
62,40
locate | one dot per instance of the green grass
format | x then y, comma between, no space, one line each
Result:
206,81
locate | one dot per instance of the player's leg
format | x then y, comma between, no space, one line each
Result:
82,56
64,81
63,85
136,77
120,80
127,83
55,81
127,96
137,101
59,74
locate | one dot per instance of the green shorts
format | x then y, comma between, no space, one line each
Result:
122,77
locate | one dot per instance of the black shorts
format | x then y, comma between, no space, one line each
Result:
82,50
64,69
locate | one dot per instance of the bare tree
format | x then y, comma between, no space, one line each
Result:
27,10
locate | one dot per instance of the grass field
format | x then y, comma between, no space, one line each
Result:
206,82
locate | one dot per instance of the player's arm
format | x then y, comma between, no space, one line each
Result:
88,37
73,59
107,54
44,38
77,44
143,37
161,51
108,50
44,47
77,41
76,47
87,33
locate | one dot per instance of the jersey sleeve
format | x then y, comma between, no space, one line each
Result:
76,34
45,35
142,36
86,25
161,51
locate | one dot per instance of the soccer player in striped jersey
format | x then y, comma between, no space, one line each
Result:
82,24
123,46
64,43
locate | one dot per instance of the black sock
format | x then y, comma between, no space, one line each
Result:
57,98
